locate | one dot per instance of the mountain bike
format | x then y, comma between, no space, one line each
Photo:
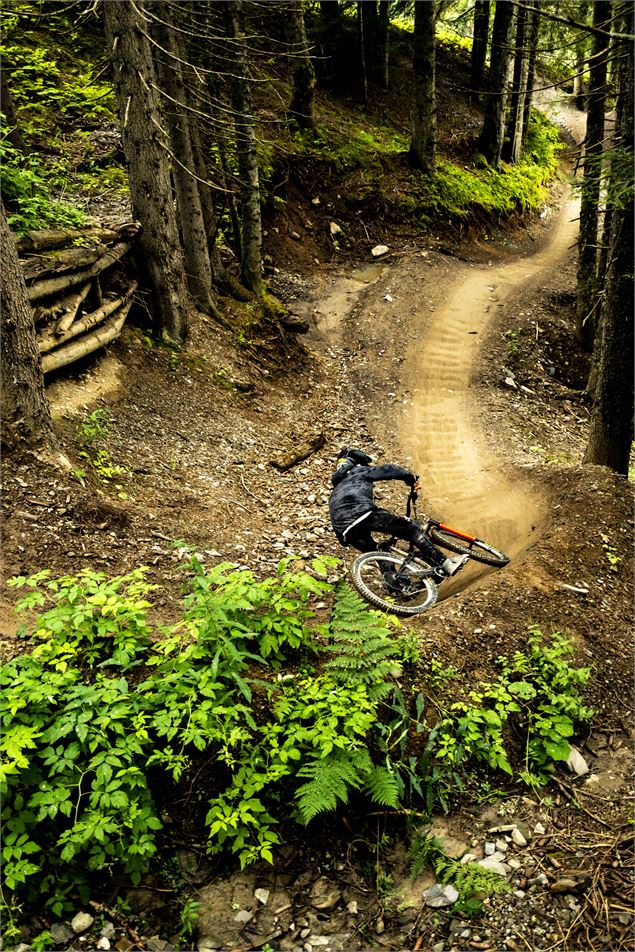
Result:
402,582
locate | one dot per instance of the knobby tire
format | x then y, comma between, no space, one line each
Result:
367,576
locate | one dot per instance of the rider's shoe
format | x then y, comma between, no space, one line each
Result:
452,566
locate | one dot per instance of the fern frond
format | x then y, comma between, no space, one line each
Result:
385,787
331,779
364,646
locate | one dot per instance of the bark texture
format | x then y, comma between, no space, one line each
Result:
491,139
423,143
12,132
479,45
588,301
169,60
611,430
144,141
247,156
511,148
533,35
26,416
301,108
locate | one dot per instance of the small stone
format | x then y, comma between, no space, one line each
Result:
61,933
469,858
438,946
81,922
519,893
494,865
243,915
438,896
518,838
490,849
155,944
514,863
324,895
103,943
501,845
539,829
334,228
108,931
576,762
380,250
262,895
352,907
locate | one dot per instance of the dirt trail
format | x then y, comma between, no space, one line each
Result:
463,480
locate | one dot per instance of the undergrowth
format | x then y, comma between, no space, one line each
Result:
472,882
298,716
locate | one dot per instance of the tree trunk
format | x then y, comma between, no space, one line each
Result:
423,144
301,108
479,45
383,45
581,48
491,139
190,213
247,155
587,299
361,79
12,129
611,429
330,40
370,19
144,142
533,34
511,148
26,416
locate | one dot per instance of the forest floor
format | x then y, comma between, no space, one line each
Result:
457,360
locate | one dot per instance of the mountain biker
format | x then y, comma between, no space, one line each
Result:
354,514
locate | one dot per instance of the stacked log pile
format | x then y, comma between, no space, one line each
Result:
79,289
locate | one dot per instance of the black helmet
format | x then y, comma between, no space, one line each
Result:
355,456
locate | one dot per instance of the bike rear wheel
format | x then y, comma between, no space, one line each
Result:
478,550
410,593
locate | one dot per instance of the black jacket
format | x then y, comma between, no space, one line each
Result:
352,494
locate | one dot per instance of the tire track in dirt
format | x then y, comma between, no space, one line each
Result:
463,480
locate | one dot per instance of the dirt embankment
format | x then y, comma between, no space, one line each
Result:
460,368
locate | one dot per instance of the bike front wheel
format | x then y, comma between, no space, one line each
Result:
381,580
460,542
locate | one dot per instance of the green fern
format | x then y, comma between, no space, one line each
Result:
385,787
331,779
365,649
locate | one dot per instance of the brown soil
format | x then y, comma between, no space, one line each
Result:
459,365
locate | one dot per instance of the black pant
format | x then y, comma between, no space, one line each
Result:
382,520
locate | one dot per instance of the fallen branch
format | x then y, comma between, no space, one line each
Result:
66,308
44,288
69,353
58,238
119,919
71,312
51,340
302,452
66,260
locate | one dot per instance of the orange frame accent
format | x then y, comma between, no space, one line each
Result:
456,532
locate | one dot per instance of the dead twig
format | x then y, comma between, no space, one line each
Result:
118,918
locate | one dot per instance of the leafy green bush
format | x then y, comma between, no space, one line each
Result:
104,710
29,194
537,693
472,881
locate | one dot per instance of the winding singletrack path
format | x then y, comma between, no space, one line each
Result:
462,479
